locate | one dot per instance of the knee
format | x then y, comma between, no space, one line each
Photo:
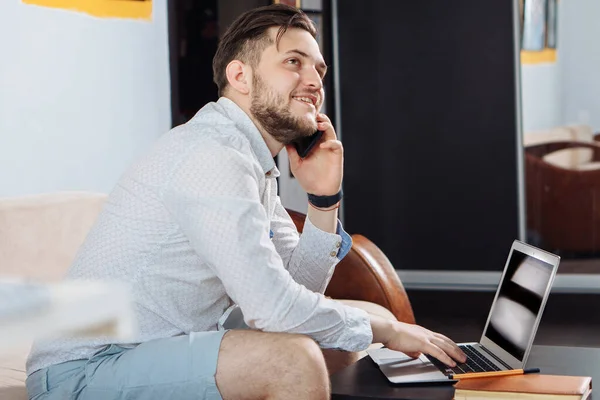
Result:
305,353
273,366
306,367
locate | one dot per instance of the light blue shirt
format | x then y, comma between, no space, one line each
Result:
188,228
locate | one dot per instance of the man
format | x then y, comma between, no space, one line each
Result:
196,229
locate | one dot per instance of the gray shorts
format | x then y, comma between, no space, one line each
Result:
181,367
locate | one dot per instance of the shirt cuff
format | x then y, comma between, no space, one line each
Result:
356,334
338,244
346,241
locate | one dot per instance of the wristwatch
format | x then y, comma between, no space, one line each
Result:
325,201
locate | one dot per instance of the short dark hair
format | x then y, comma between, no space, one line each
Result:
247,37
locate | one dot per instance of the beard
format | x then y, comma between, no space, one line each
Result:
272,111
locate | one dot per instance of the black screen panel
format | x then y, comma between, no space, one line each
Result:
428,100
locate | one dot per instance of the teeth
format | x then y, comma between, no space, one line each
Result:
304,99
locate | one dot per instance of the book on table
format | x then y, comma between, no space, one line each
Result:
528,386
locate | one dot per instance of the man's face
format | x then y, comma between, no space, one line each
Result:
287,87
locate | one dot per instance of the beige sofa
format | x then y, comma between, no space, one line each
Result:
39,236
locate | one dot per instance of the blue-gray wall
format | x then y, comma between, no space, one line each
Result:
579,61
567,92
80,97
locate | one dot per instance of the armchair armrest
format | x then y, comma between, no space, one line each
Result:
366,274
540,150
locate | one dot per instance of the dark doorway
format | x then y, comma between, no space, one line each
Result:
194,30
193,38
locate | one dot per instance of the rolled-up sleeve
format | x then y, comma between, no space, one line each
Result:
220,213
311,259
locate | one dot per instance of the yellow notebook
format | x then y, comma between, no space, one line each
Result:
529,386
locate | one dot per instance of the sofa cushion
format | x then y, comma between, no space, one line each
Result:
12,376
567,158
591,166
42,233
40,237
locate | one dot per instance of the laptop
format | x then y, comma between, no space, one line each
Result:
509,331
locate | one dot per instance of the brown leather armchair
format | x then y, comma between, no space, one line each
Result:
366,274
563,204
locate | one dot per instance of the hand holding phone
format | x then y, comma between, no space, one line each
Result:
317,161
306,144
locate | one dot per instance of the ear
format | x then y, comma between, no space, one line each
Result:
238,76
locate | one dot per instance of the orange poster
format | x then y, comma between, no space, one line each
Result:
134,9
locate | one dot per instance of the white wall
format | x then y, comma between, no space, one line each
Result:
540,91
566,92
80,97
579,61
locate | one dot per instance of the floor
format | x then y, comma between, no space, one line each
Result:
568,320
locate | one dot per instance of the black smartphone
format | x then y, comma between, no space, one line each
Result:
306,144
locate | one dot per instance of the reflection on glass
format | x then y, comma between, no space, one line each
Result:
561,131
551,24
519,301
562,182
532,275
534,25
514,322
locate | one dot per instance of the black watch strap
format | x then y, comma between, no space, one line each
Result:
325,201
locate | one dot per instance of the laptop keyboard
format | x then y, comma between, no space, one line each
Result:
475,362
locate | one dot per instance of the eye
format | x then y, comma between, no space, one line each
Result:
293,61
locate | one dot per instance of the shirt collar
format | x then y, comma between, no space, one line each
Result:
243,122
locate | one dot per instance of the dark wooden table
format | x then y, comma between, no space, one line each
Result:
364,380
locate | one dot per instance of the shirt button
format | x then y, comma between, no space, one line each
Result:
333,253
338,244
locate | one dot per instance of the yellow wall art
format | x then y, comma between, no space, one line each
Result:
132,9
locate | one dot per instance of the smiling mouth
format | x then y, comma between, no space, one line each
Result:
306,100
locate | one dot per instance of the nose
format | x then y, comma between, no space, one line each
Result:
312,79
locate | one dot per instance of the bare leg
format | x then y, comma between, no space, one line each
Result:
261,365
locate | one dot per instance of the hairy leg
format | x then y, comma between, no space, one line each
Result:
262,365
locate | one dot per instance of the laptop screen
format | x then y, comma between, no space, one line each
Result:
521,292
